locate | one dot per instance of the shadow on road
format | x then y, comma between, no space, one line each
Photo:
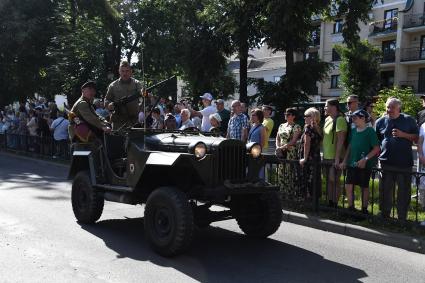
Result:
20,173
219,255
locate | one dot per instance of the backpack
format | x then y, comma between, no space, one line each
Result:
334,129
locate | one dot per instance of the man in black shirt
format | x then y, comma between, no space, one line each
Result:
396,132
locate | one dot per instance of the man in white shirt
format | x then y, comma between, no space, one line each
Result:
205,113
59,127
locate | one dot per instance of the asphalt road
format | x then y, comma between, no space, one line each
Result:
40,241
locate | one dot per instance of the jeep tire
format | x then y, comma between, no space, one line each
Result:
168,221
87,202
258,216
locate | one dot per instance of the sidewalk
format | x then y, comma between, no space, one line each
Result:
414,244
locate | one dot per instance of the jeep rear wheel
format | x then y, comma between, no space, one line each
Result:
258,216
168,221
87,202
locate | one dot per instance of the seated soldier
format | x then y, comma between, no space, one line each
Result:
85,124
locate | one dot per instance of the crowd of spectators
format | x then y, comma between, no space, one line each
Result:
37,126
354,142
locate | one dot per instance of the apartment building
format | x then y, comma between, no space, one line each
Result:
397,28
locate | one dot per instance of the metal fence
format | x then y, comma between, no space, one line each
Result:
35,145
317,188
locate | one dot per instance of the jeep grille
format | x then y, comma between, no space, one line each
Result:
231,161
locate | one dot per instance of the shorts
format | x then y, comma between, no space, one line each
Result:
329,170
358,176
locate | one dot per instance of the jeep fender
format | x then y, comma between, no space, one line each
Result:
82,161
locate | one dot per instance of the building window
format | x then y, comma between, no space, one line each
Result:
390,19
335,55
338,26
388,51
335,81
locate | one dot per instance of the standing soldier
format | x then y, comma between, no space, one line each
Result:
125,86
85,124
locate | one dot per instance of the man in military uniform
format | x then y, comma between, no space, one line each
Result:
85,124
123,113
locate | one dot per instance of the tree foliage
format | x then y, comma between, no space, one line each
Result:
359,68
353,11
51,47
292,36
240,22
26,29
294,87
411,104
82,49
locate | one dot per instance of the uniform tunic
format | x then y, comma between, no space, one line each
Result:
128,112
85,110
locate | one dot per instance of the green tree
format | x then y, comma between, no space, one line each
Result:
352,11
288,26
26,30
80,50
411,104
284,93
359,68
178,38
240,21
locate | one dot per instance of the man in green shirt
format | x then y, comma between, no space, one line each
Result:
85,125
268,123
334,135
126,85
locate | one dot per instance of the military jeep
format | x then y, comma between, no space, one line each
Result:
179,176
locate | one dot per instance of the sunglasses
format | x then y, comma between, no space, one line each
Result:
288,114
307,116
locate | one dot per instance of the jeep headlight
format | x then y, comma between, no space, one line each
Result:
200,150
254,149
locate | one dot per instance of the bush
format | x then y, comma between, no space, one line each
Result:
359,70
411,104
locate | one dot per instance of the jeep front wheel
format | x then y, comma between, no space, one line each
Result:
258,216
168,221
87,202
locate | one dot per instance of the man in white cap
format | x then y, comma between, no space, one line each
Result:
205,113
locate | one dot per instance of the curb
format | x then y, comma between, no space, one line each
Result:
413,244
38,160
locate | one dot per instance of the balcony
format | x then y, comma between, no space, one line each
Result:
384,28
388,57
412,54
414,21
